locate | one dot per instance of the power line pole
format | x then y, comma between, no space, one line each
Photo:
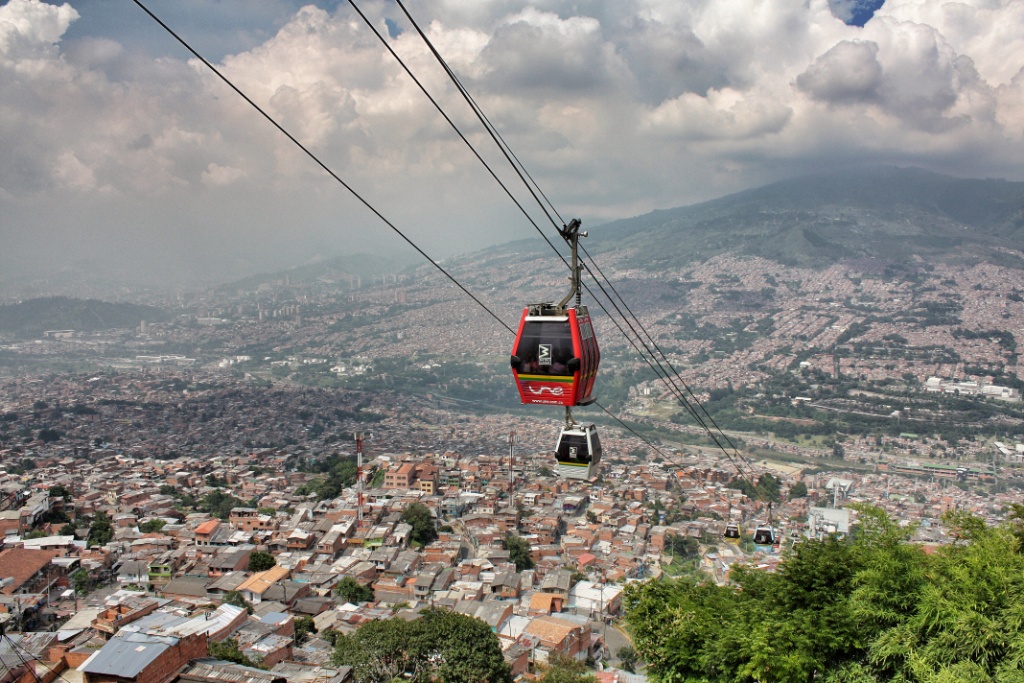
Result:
359,479
511,463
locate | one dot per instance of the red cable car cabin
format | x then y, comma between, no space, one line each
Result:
555,356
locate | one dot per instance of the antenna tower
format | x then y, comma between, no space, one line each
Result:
359,479
511,461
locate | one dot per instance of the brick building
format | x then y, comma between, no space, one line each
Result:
142,658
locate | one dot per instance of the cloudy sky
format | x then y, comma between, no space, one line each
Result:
122,154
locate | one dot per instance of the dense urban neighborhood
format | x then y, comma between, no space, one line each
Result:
238,490
196,540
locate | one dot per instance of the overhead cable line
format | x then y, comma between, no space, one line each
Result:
523,174
451,123
476,109
319,163
509,155
667,377
14,648
336,177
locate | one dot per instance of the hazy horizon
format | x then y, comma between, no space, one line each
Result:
128,162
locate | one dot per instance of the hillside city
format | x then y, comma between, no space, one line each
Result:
193,481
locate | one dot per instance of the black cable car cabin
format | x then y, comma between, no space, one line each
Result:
578,451
765,534
555,356
732,532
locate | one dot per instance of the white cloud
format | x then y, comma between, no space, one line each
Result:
217,175
615,107
73,174
990,32
721,114
848,72
31,29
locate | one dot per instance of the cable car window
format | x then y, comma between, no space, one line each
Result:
573,447
545,348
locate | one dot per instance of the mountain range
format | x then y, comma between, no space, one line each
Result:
31,318
886,213
877,215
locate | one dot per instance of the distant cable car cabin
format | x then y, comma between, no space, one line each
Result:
765,535
732,533
578,451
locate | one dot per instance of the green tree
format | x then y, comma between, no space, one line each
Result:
682,546
518,551
867,609
352,591
229,651
260,561
220,504
966,623
49,435
152,525
303,627
82,582
101,531
55,516
238,600
60,491
768,487
628,657
421,519
562,668
798,490
438,646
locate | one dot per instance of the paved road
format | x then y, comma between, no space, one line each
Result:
614,640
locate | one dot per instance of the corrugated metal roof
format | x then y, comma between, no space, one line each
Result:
11,658
208,669
127,654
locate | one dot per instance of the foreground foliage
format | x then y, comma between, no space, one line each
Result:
872,609
438,646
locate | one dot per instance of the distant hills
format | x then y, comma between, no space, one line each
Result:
31,318
885,213
873,217
335,269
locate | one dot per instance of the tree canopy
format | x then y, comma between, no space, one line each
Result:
260,561
352,591
101,531
421,519
60,491
336,473
518,551
871,609
238,600
219,504
152,525
767,487
229,651
565,669
438,646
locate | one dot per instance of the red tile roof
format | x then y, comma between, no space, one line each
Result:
21,565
